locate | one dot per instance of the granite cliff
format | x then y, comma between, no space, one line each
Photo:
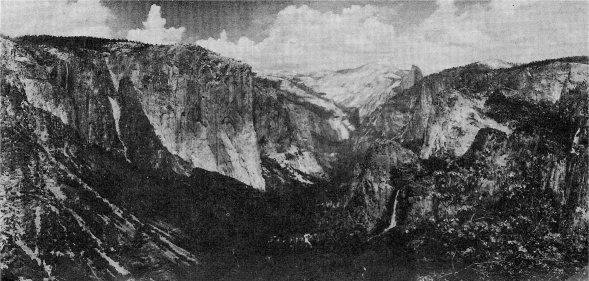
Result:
84,117
56,120
501,124
126,160
365,87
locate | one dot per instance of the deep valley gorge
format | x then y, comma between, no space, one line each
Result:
130,161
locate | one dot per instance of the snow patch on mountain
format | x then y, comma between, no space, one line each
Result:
121,270
365,87
38,213
307,96
116,114
173,251
177,251
342,127
299,93
113,77
298,163
495,64
54,188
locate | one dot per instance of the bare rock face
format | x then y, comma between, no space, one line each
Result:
506,162
105,138
411,77
365,87
177,108
377,182
446,110
54,223
448,114
67,86
199,104
299,130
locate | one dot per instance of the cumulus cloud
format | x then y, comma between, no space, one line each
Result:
55,17
154,31
303,39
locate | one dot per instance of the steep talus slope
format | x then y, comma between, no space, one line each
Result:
442,116
124,160
55,225
114,136
365,87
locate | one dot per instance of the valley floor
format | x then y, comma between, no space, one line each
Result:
370,264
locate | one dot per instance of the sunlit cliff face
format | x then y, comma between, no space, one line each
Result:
107,139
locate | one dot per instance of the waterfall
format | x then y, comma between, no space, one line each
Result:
394,215
67,75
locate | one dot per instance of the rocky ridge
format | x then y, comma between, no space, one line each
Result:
365,87
54,224
106,140
446,116
123,122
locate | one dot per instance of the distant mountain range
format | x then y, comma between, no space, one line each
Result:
364,87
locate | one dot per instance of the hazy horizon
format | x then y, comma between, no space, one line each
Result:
324,35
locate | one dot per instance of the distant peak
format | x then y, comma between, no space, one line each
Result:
495,63
416,72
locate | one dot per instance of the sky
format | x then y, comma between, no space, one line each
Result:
324,35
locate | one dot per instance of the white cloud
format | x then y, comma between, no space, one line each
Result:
154,31
55,17
302,38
